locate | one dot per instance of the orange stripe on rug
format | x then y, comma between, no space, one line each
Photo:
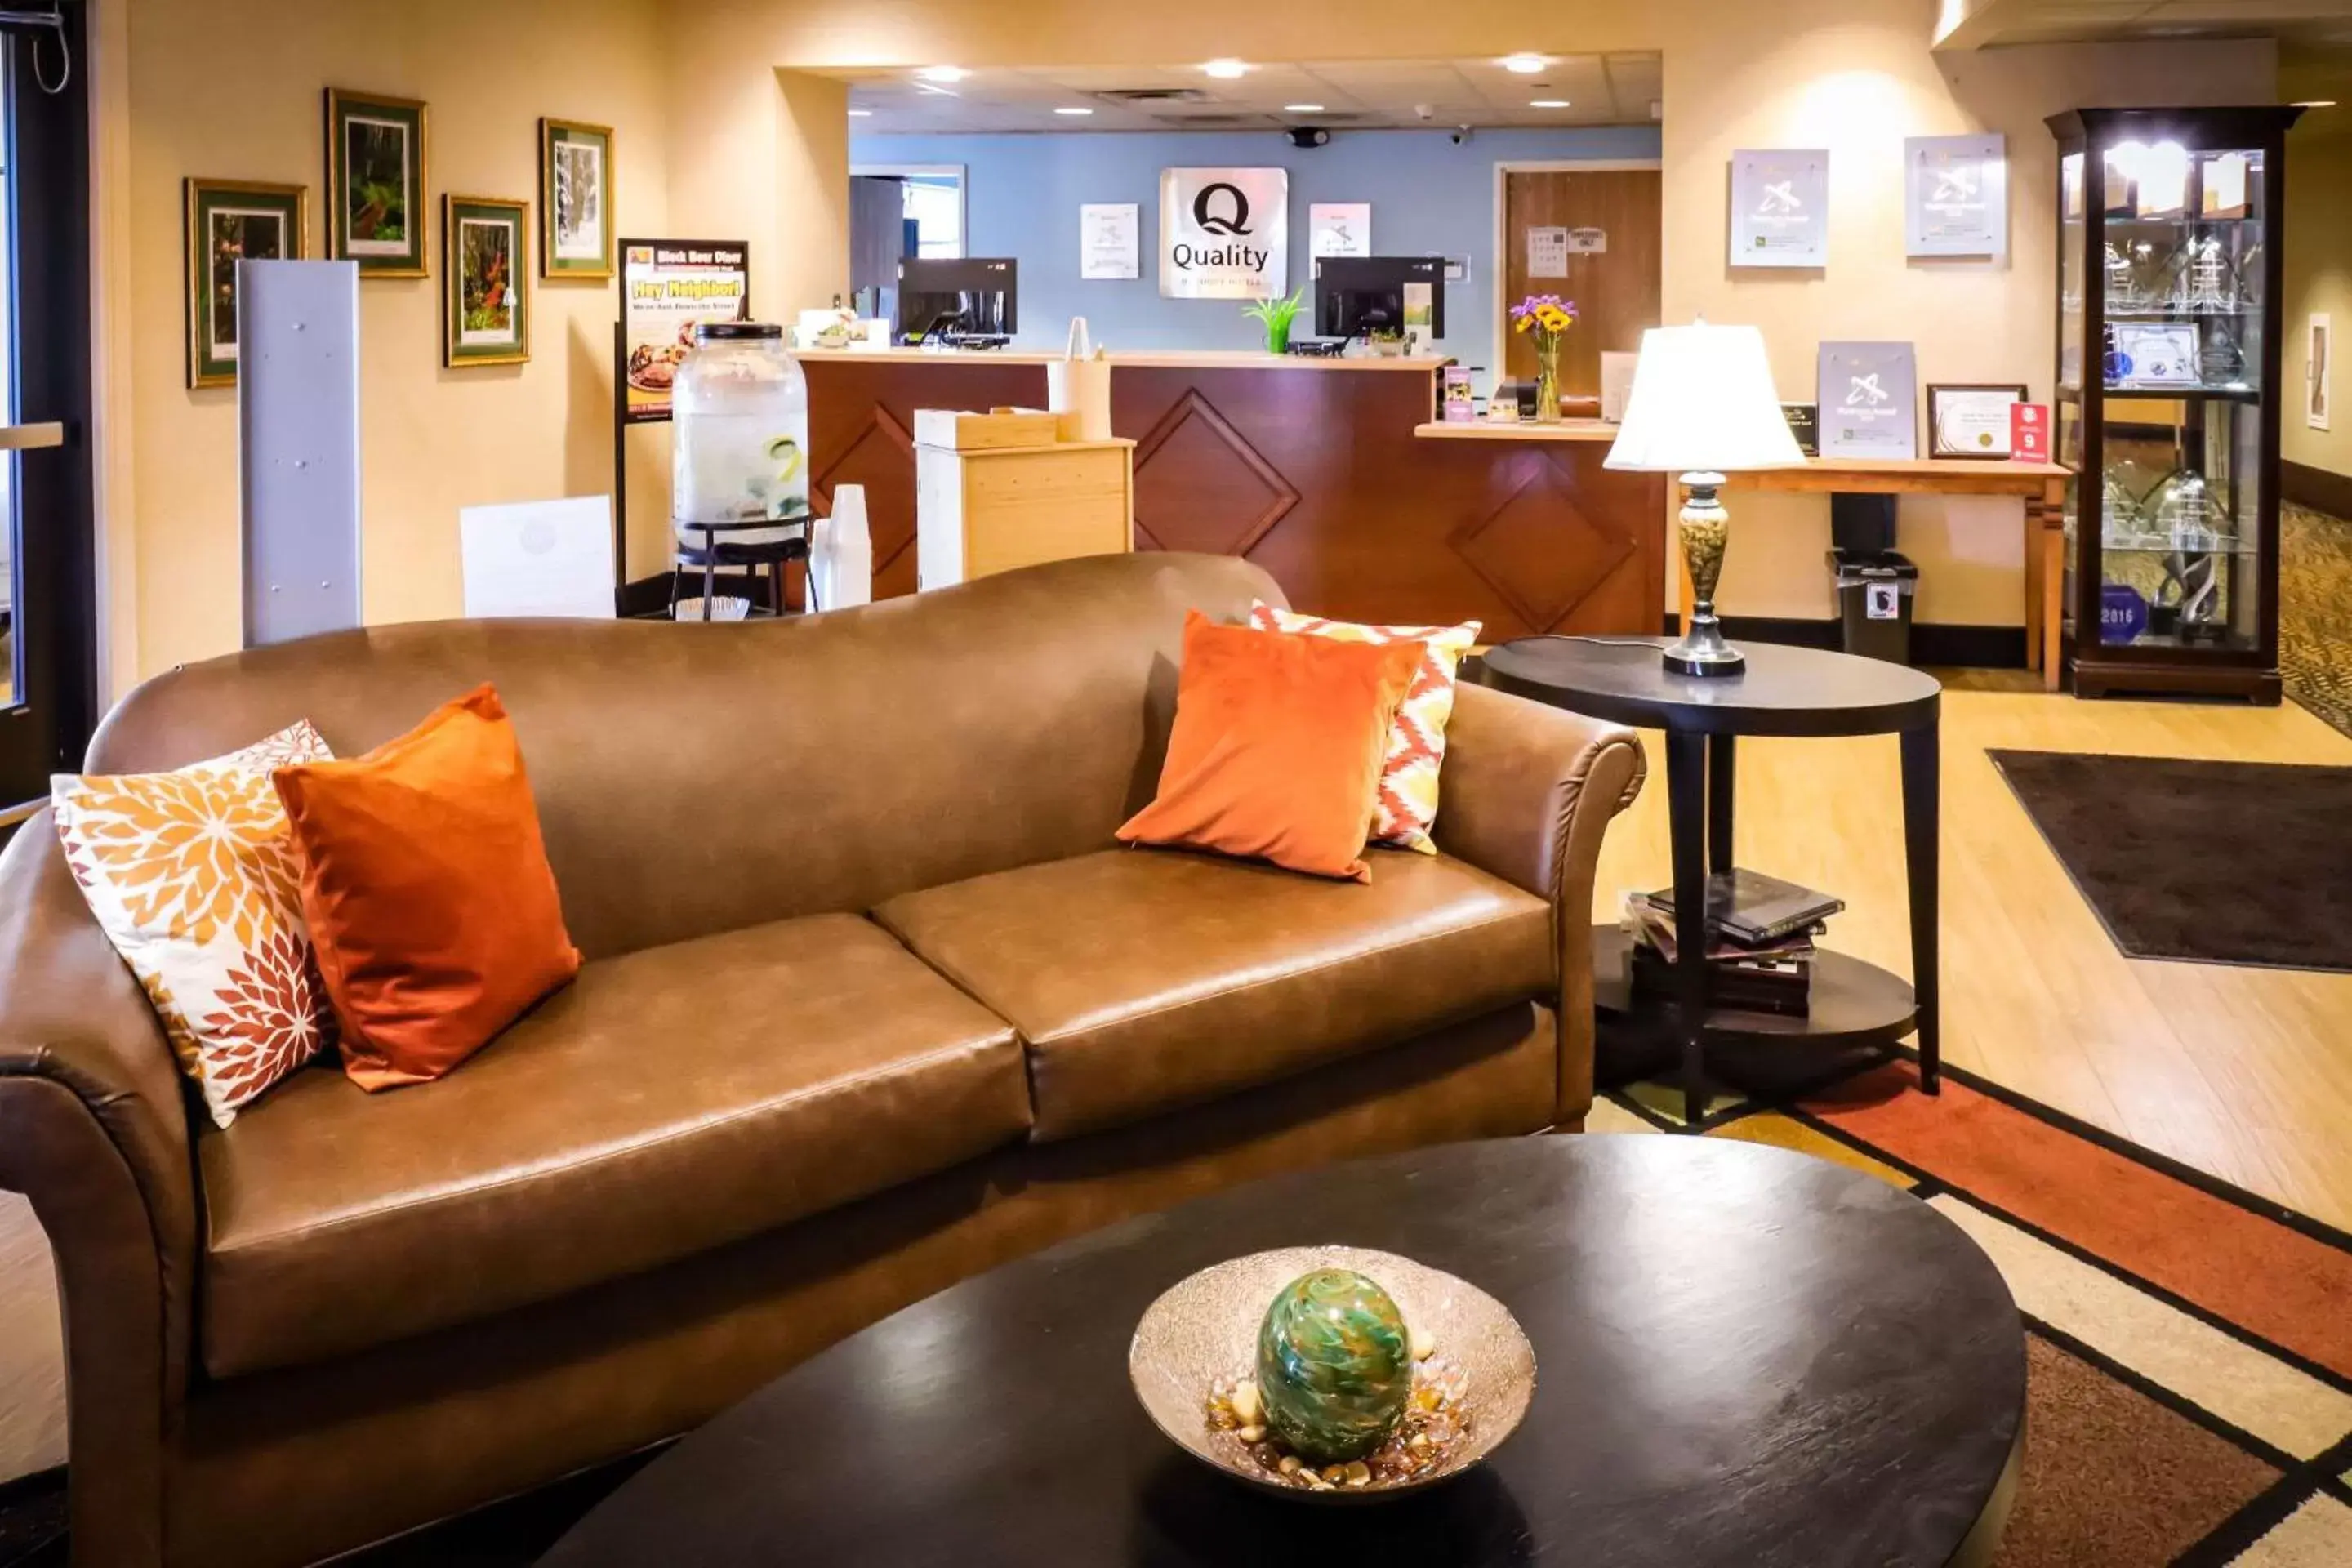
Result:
2273,1281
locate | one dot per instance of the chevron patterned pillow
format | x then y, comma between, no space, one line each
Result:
1405,809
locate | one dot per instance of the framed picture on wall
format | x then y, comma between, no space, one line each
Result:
486,294
226,222
575,200
376,184
2320,344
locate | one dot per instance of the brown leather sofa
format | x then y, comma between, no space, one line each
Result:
872,1002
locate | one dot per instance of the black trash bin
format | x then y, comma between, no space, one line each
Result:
1875,591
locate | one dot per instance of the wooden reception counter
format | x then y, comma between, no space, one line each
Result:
1308,467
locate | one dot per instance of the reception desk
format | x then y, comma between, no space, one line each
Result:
1310,468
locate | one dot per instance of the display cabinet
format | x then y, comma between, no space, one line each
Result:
2168,395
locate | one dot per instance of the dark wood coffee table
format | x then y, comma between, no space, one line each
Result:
1744,1356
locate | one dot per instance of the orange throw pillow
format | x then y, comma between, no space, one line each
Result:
427,891
1278,747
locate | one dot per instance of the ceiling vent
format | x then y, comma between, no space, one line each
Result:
1154,95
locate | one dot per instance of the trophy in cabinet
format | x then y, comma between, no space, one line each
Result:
2192,588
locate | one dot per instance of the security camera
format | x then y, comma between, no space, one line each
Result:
1308,136
1460,134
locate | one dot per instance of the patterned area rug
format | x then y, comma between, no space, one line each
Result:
2188,1346
2316,612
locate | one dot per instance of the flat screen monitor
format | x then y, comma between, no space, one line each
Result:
1356,295
974,294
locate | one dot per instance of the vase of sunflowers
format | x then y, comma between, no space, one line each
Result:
1544,319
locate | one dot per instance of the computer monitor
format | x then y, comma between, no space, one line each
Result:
968,294
1356,295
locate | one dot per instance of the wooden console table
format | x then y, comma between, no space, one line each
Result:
2041,486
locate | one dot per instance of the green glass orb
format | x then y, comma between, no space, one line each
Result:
1334,1366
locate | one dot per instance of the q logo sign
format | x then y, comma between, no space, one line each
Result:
1224,233
1215,222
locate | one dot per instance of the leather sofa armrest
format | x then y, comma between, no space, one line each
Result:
94,1132
1526,793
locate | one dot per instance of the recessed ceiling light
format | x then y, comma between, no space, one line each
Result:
1522,65
1226,70
861,114
1302,109
1546,103
943,73
1073,109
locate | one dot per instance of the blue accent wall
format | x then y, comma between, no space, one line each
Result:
1427,194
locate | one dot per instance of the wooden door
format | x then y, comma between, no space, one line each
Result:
1615,290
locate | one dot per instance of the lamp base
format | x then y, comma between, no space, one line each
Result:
1703,651
1704,533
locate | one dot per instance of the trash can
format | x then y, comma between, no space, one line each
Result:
1874,594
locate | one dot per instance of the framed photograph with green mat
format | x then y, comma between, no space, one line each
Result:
376,184
226,222
485,298
575,200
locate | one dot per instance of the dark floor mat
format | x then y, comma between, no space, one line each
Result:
2211,862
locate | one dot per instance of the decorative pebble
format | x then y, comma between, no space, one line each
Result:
1435,1419
1423,1347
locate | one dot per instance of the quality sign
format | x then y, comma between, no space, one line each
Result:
1224,233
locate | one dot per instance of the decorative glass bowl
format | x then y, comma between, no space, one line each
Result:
1203,1334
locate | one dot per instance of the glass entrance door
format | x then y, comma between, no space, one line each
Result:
47,596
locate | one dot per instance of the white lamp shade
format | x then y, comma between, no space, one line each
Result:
1703,401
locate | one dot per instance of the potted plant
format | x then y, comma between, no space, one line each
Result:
1545,320
1385,343
1275,316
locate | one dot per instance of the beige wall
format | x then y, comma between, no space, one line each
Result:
1855,75
230,88
1858,88
2319,264
720,133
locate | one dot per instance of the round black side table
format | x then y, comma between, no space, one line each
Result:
1783,691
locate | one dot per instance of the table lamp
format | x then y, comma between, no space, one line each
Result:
1703,405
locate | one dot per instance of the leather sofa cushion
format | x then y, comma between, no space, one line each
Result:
1142,980
667,1101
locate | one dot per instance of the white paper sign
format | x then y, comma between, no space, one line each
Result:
1339,228
1224,233
1588,241
1547,252
538,558
1109,245
1956,195
1781,208
1616,383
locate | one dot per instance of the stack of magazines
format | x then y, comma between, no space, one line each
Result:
1759,941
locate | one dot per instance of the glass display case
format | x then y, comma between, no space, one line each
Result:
2168,395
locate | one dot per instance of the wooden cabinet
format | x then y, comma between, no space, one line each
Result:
2170,330
978,512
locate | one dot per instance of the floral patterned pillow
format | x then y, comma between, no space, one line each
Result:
194,878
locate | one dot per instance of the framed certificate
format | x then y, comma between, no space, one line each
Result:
2153,353
1970,421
